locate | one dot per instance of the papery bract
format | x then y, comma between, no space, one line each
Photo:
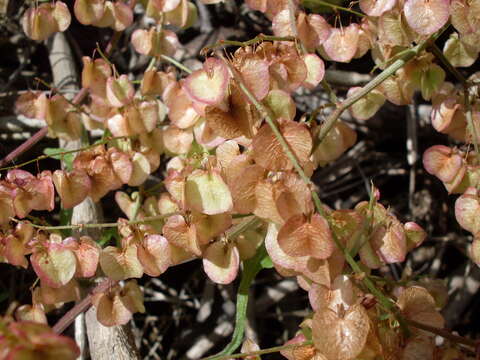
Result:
368,105
55,264
209,84
342,43
206,192
340,336
300,236
87,253
268,152
119,91
72,187
442,162
467,210
154,254
120,264
376,7
418,305
315,70
155,43
221,262
89,11
426,17
182,234
117,16
41,21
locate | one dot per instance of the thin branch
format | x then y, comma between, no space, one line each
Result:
81,306
452,69
101,225
380,78
176,63
444,333
259,352
333,6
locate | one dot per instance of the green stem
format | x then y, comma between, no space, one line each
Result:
255,40
383,300
259,352
251,268
243,226
452,69
443,333
380,78
176,63
278,135
333,6
101,225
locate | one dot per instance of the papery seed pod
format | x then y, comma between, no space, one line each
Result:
55,264
155,43
301,237
337,141
209,84
221,262
459,52
368,105
467,208
340,336
42,21
120,91
417,304
342,43
443,162
154,253
182,234
183,16
73,187
426,17
206,192
376,8
117,16
89,11
120,264
166,5
268,152
315,70
465,16
87,252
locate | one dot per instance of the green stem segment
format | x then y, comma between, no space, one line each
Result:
380,78
176,63
101,225
251,268
330,5
257,39
260,352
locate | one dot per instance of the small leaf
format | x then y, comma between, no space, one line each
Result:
66,158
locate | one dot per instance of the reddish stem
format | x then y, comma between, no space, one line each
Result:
81,95
82,306
444,333
39,135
